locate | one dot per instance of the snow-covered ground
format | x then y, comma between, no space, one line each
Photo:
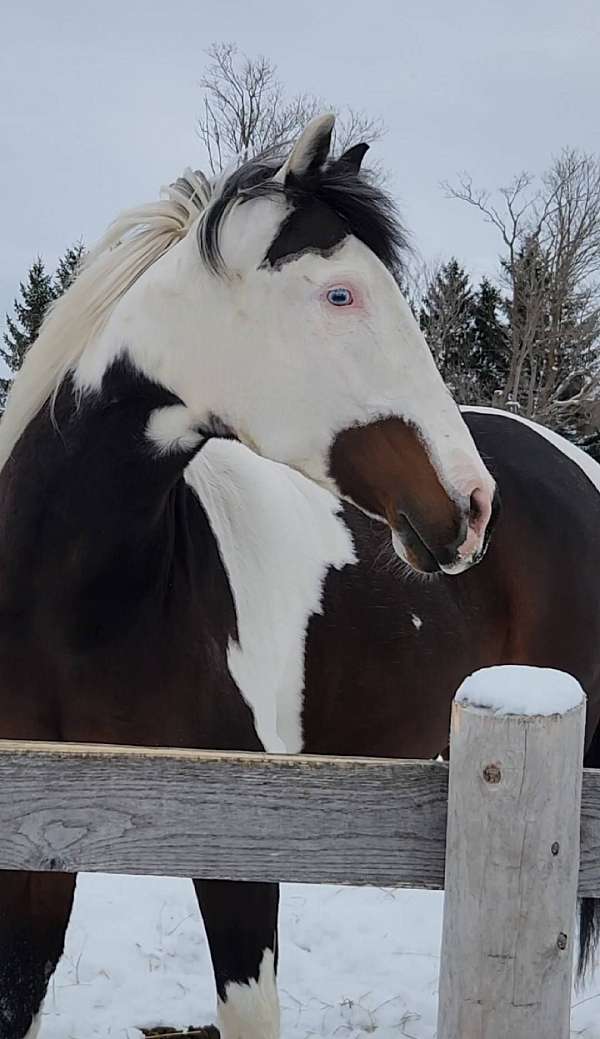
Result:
354,963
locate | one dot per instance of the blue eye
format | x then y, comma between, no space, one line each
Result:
340,296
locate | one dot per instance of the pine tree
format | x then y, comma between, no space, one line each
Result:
37,293
67,268
447,319
491,344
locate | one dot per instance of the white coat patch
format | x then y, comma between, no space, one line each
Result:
173,429
251,1011
417,622
278,533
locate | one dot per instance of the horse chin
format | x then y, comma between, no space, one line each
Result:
409,547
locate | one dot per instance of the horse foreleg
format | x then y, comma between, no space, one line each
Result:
241,926
34,913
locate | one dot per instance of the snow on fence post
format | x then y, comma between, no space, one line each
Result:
512,855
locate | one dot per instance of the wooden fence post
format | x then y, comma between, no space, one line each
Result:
512,857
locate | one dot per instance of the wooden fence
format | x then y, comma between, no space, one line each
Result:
70,807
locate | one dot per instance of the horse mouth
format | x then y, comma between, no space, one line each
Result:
410,547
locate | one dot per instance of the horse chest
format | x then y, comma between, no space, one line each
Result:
278,536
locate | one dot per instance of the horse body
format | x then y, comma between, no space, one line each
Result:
364,657
390,649
162,584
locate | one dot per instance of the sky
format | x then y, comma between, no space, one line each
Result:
98,102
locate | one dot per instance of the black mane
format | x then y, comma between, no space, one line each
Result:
355,203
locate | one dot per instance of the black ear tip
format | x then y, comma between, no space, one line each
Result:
353,157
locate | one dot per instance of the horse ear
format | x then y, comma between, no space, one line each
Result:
352,158
310,151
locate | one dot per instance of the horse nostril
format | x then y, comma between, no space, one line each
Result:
476,507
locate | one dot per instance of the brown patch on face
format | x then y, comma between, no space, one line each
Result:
385,469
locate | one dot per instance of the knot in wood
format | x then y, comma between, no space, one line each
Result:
561,941
555,848
492,774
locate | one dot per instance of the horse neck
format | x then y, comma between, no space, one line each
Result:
84,486
163,324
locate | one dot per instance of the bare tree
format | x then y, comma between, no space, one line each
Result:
418,274
246,112
550,231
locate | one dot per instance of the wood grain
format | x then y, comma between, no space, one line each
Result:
237,816
512,862
232,816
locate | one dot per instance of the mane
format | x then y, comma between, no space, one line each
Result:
136,240
368,212
140,236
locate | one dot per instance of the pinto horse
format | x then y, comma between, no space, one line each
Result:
240,510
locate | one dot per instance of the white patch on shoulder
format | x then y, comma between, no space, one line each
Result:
590,467
251,1011
173,428
278,534
34,1030
418,623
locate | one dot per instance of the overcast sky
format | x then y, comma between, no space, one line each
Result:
98,101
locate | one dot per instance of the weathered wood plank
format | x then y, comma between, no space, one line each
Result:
240,816
237,816
589,868
512,862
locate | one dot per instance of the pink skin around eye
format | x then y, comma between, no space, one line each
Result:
356,303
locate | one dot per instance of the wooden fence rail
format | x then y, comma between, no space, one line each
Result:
72,807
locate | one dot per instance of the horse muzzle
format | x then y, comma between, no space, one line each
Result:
429,550
441,517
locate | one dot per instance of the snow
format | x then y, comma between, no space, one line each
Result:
355,963
515,689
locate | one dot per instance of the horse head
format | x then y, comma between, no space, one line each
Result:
271,305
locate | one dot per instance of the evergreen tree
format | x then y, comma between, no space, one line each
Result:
466,334
36,295
67,268
491,343
447,319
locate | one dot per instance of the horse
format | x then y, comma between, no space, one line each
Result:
240,510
